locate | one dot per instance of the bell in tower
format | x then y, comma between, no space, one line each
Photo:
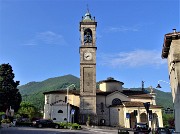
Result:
88,36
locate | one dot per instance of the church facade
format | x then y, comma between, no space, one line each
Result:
107,105
114,106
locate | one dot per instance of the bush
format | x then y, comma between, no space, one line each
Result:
75,126
62,124
5,121
69,125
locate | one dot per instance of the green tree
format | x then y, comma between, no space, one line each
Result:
167,119
28,109
9,94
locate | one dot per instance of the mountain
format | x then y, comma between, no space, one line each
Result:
33,91
164,99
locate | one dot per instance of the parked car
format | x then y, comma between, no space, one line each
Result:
141,128
162,130
45,123
172,130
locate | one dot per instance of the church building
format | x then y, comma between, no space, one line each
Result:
107,105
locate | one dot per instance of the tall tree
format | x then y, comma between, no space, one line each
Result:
9,94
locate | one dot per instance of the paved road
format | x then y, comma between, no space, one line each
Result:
31,130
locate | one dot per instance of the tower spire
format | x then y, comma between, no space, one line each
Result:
87,8
87,16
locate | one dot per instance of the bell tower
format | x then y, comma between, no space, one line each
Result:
87,52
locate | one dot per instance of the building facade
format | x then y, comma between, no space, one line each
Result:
171,51
114,106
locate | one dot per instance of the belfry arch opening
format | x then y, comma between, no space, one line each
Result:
87,36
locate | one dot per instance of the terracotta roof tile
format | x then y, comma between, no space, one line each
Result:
130,93
138,104
76,92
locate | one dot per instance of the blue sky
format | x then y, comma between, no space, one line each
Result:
40,38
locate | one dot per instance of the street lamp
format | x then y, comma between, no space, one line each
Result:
159,86
66,99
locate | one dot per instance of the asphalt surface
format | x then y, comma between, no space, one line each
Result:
32,130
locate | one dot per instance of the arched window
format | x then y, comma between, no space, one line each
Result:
116,102
60,111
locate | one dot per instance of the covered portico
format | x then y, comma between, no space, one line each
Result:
136,112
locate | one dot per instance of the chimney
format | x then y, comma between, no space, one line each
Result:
174,30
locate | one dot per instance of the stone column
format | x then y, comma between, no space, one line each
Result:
171,51
138,116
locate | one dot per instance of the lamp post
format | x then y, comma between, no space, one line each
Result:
159,86
66,99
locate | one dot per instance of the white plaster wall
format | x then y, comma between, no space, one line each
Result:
174,72
116,95
142,100
59,116
56,97
114,116
110,86
46,114
75,100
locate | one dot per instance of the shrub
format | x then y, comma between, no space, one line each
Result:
62,124
5,121
69,125
75,126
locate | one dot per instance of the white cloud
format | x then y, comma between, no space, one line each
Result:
30,43
47,37
134,58
122,29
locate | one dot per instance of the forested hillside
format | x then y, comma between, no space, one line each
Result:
33,91
164,99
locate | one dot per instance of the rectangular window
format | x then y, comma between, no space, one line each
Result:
47,99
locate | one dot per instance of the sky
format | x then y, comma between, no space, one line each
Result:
40,39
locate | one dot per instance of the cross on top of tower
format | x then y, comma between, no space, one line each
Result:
87,8
87,16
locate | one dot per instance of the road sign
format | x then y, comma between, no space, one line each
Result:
72,111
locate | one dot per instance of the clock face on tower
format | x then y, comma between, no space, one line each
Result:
87,56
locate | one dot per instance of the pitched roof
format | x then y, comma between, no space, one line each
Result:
138,104
110,79
75,92
167,42
137,94
130,93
